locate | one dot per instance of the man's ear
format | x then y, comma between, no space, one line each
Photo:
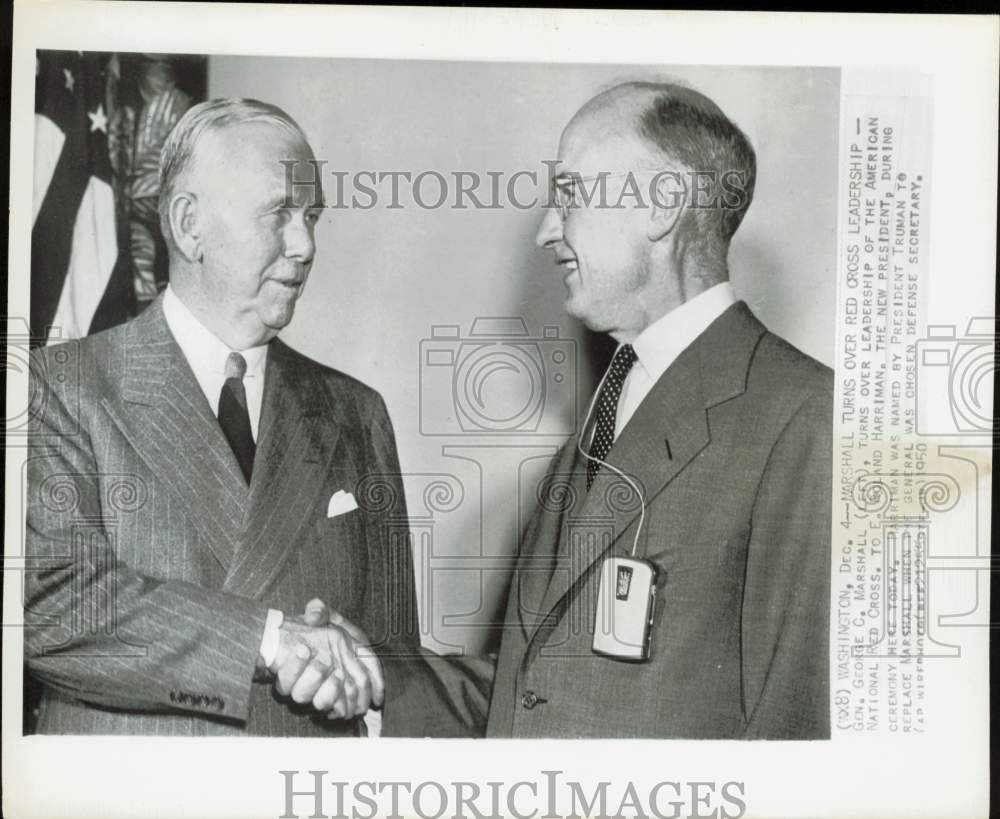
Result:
668,194
183,213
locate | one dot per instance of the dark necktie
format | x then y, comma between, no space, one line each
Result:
607,409
234,418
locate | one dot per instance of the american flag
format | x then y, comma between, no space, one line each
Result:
80,282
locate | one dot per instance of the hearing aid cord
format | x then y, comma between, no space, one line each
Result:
635,487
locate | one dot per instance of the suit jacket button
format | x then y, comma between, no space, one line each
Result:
529,699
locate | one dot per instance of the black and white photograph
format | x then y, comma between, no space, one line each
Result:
715,451
610,402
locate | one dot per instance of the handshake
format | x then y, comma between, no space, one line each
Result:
325,660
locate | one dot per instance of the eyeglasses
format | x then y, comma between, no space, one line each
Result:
564,188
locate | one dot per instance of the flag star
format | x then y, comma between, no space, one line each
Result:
98,121
70,82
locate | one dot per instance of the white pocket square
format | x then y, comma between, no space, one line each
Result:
340,502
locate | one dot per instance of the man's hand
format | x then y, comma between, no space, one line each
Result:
317,613
319,664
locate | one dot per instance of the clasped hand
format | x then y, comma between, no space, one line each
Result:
325,660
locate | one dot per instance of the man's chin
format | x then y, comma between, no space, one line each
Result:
579,311
278,318
591,322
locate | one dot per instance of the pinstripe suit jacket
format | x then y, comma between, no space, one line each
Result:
152,564
732,449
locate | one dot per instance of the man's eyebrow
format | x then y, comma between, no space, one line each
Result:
275,203
282,201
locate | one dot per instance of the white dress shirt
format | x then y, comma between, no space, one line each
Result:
206,354
659,345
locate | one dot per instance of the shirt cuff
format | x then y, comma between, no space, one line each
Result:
373,721
269,642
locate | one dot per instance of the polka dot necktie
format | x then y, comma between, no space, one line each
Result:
607,409
234,418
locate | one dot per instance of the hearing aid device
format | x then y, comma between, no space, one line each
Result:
625,605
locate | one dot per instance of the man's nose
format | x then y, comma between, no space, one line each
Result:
550,230
299,241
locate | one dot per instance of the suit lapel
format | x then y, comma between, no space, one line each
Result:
290,469
665,434
166,418
536,565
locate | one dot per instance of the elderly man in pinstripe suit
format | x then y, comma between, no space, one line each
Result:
191,478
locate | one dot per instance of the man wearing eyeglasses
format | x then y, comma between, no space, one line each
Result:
675,582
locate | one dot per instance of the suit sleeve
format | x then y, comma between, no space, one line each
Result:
786,605
426,694
432,695
390,611
99,630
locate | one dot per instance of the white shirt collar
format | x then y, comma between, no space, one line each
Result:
659,345
205,352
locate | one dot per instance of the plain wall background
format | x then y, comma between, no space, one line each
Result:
383,278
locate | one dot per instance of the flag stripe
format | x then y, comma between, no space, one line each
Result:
74,247
49,140
92,258
51,245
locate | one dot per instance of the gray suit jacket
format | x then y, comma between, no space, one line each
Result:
151,564
732,449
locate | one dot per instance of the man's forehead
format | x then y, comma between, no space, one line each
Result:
260,145
251,162
605,130
589,152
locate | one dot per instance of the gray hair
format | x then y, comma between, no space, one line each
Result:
687,127
204,118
